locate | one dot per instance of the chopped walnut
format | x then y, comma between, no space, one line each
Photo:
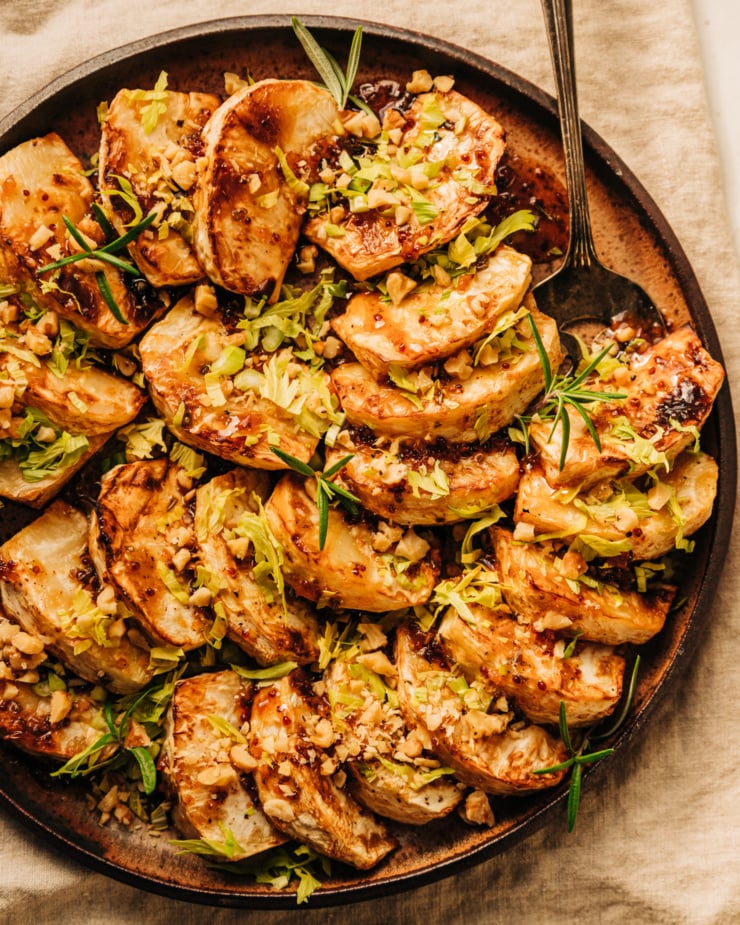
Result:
385,536
573,565
219,776
373,636
378,662
206,302
323,734
460,365
279,809
399,286
412,547
477,809
444,83
552,621
61,704
421,82
242,758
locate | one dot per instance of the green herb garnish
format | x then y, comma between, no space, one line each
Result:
338,82
113,741
581,755
326,489
107,254
566,391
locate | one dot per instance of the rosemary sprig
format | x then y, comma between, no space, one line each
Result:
582,756
567,390
327,490
338,82
107,254
86,762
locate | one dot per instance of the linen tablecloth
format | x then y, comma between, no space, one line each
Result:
658,841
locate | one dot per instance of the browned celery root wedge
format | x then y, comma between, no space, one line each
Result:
462,408
238,424
157,157
142,541
48,586
247,212
54,724
471,731
267,621
207,765
40,181
617,510
427,483
669,389
466,141
361,567
291,738
14,485
433,321
540,590
393,771
86,401
531,668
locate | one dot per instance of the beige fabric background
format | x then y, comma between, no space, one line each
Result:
659,842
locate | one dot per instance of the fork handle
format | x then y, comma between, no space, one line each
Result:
559,24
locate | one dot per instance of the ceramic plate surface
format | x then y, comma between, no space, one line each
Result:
631,236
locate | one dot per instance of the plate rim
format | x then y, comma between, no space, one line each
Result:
600,156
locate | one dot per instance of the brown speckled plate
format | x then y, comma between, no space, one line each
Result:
631,235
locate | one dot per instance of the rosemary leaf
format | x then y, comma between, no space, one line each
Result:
146,766
322,502
317,57
108,297
337,82
326,490
297,464
108,230
574,795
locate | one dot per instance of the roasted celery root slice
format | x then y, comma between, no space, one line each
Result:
291,738
239,425
49,587
433,321
427,483
540,593
531,669
670,390
41,180
652,519
488,750
206,764
141,522
15,486
136,148
457,409
263,619
247,210
393,770
462,150
351,571
80,402
54,724
86,401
